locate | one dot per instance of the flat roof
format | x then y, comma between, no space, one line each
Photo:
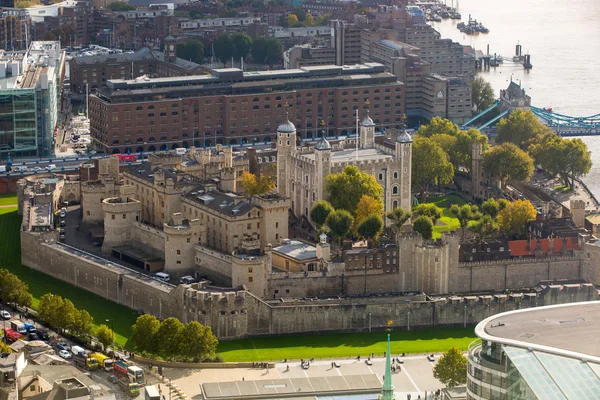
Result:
570,330
348,155
297,250
304,388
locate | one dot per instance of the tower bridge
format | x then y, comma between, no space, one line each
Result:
514,97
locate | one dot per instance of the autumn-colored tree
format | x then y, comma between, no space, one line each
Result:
451,368
347,188
292,19
514,218
507,162
105,336
309,20
254,185
438,126
366,207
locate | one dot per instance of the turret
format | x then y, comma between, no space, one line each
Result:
286,146
367,132
322,165
119,213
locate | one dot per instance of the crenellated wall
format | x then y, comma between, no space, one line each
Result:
239,313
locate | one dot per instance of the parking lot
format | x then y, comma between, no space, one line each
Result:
415,377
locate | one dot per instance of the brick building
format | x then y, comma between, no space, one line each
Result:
96,70
231,106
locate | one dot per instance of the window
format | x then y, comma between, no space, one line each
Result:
124,216
395,190
380,177
395,175
178,252
113,216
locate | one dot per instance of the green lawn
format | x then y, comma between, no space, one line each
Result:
450,221
341,345
40,284
7,199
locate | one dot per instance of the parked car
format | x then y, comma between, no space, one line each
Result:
43,335
36,169
161,276
33,336
63,346
63,214
65,354
5,315
50,167
186,280
63,223
431,358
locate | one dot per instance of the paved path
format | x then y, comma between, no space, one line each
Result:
415,377
8,205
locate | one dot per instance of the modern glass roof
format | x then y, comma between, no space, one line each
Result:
556,377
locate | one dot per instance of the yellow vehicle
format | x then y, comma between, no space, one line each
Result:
86,362
104,362
132,389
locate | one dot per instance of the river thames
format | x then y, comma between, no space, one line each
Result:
563,39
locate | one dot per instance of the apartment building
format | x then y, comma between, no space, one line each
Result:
307,55
232,107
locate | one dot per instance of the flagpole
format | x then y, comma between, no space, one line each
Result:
357,134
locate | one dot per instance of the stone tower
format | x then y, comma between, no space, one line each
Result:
322,166
228,181
404,155
119,213
477,171
577,208
181,235
286,145
367,132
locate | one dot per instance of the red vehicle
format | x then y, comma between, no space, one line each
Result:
12,335
125,158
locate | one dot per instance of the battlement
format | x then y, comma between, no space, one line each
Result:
271,201
120,205
517,261
105,185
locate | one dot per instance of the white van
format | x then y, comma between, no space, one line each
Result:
76,350
180,151
161,276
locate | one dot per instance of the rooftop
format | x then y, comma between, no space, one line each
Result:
349,155
224,203
143,55
569,330
297,250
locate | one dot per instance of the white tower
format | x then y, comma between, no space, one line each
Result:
286,146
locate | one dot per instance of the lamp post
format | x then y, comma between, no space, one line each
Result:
112,326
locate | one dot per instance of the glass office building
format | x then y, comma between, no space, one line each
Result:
30,93
540,353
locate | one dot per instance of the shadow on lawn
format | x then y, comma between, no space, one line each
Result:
332,340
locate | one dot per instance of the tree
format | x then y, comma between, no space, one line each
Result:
121,6
502,203
429,210
424,226
465,214
430,165
13,290
82,324
566,158
484,227
346,188
507,162
259,50
226,12
143,335
490,207
292,19
323,19
197,342
223,45
254,185
105,336
339,223
242,44
366,207
439,126
48,308
319,212
309,20
192,50
4,348
370,227
514,218
451,369
300,13
65,316
519,128
482,94
398,216
274,51
167,338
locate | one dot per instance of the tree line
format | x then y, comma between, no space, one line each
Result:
172,340
441,148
